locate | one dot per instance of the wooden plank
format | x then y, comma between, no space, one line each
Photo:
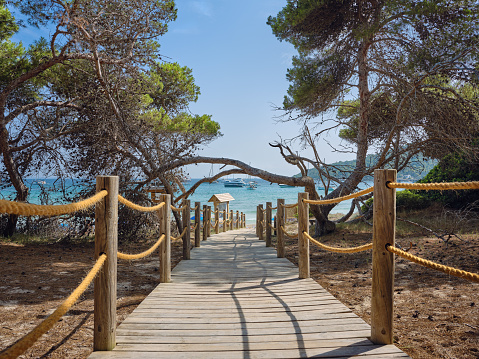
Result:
236,299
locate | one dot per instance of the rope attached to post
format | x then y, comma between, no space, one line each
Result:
142,254
435,186
26,209
429,264
180,236
362,248
176,209
289,205
28,340
292,236
340,199
139,208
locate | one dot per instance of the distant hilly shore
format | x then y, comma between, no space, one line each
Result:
419,167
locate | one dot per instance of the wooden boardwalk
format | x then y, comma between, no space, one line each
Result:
236,299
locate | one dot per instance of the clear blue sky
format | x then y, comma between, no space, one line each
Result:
240,67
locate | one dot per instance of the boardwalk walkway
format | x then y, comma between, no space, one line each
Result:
236,299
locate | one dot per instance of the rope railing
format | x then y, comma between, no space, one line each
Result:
362,248
272,208
137,207
340,199
435,186
289,205
271,226
194,208
433,265
180,236
142,254
28,340
177,209
26,209
292,236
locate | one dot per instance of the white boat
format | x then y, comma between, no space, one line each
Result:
234,183
282,185
251,185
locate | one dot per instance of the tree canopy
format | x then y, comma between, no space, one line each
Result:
400,75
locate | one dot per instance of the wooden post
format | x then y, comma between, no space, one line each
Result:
269,213
187,226
224,221
260,222
208,228
106,241
303,242
237,220
198,223
165,246
205,222
231,220
384,224
217,220
280,223
257,221
275,230
242,220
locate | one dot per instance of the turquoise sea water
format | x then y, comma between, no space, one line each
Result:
245,200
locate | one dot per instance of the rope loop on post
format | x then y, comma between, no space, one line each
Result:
176,209
138,207
27,209
289,205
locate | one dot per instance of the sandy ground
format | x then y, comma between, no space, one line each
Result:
436,315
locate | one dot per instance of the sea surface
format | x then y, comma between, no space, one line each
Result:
245,200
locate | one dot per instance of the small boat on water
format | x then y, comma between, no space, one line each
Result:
282,185
251,185
234,183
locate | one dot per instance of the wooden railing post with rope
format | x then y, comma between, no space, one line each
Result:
260,222
225,222
165,247
257,221
187,225
198,223
237,223
269,212
217,220
275,232
303,242
243,220
205,222
231,222
280,224
384,224
106,242
208,224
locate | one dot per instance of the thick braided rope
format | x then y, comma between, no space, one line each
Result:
429,264
194,208
27,341
294,236
142,254
196,226
289,205
27,209
435,186
180,236
340,199
177,209
139,208
364,247
272,208
273,228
